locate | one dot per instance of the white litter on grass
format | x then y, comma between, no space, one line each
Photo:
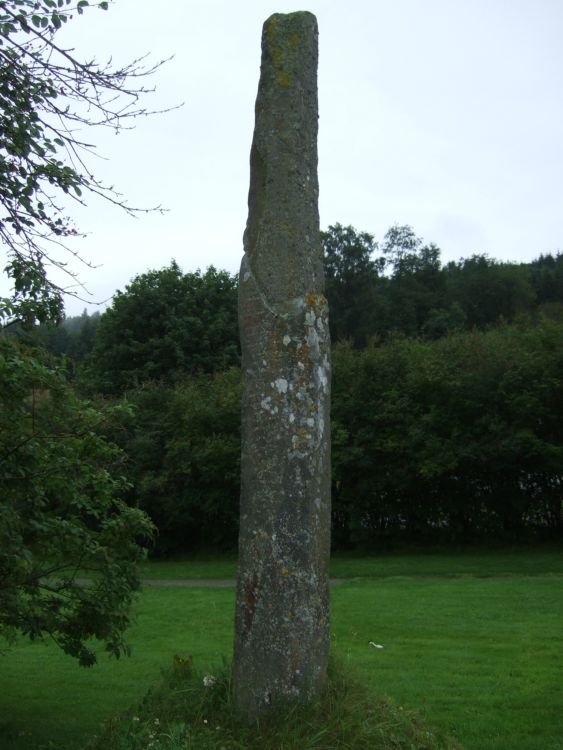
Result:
376,645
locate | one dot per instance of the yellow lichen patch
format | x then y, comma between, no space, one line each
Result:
277,57
271,25
284,571
283,78
280,52
316,301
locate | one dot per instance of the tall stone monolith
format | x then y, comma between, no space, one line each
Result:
282,610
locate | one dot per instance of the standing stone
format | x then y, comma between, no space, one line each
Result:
282,610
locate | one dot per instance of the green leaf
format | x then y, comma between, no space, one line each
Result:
23,22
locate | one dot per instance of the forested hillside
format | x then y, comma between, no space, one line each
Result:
447,394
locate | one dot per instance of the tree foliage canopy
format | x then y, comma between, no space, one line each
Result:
446,394
62,515
400,285
48,97
353,283
164,325
61,481
182,442
456,438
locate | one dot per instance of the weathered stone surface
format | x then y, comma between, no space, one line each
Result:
282,611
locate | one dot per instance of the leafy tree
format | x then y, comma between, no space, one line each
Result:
62,515
73,338
488,291
353,284
81,334
183,449
416,292
164,325
457,437
406,289
61,481
47,95
546,278
404,250
372,468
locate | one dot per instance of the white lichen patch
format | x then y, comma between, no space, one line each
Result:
321,375
268,406
281,385
310,318
313,343
300,382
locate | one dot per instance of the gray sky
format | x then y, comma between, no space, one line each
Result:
442,114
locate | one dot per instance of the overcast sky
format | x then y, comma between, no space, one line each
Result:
442,114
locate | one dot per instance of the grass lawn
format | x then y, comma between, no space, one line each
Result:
474,562
479,658
471,642
200,567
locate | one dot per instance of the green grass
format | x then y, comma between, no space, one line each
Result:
473,562
479,658
45,695
200,567
472,643
519,561
184,712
